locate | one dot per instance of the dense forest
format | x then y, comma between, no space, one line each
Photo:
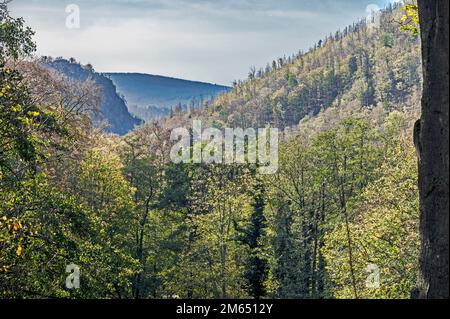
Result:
340,218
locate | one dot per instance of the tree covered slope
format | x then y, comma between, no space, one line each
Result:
113,108
364,64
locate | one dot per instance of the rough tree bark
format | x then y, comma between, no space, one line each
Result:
431,136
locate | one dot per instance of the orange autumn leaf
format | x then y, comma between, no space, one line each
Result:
17,227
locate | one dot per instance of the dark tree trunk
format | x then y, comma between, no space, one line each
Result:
432,141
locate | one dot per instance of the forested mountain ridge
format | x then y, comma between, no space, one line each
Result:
113,108
151,97
339,219
365,64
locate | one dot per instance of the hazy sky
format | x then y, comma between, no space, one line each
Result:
207,40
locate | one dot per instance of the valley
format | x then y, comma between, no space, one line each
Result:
88,177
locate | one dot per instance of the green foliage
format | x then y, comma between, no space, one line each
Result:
221,206
410,19
15,37
256,268
345,198
384,229
291,80
138,226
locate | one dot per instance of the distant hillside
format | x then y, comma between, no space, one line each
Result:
113,108
362,65
151,97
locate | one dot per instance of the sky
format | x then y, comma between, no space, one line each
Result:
213,41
